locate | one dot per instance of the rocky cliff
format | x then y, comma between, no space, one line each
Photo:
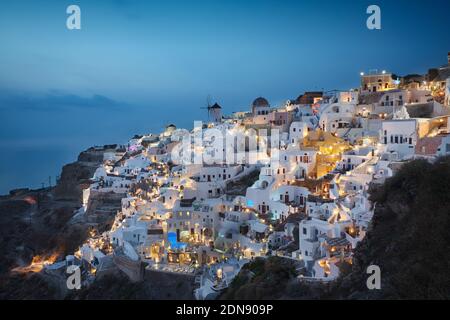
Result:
38,224
76,176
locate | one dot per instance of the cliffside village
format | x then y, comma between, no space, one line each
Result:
312,205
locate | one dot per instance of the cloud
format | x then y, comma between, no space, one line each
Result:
54,100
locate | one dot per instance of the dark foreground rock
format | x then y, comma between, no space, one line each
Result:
34,225
155,286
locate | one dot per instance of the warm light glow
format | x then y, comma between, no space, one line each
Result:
37,264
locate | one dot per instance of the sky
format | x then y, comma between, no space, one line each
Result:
137,65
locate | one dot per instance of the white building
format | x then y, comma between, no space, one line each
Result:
399,137
447,93
297,132
336,116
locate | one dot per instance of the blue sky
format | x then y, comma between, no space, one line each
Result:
146,52
137,65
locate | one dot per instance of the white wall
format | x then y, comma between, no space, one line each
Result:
399,136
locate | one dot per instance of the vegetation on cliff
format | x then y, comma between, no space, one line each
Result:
409,240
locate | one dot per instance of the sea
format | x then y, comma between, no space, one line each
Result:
36,143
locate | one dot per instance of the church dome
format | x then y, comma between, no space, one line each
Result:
260,102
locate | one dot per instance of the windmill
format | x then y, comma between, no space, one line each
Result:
214,111
208,106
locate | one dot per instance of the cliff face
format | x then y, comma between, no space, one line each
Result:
33,226
75,176
38,223
102,209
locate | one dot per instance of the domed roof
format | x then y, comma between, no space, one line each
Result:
260,102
